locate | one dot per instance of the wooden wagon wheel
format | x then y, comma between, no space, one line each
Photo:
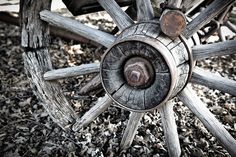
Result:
145,66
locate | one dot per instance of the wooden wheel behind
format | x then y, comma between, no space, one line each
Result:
145,66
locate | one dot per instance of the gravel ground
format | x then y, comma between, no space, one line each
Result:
27,130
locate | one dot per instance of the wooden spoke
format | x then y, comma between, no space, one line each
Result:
231,26
72,71
101,105
191,100
121,19
215,8
174,3
78,28
222,35
170,129
191,5
213,81
92,85
145,10
131,129
216,49
132,12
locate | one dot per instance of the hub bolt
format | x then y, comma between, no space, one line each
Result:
138,72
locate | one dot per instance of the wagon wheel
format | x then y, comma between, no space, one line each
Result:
148,64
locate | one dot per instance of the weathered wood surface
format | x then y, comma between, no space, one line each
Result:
213,50
221,34
72,71
36,63
174,3
231,26
232,15
35,38
214,9
149,29
190,5
94,84
76,27
213,81
34,33
170,129
145,10
192,101
121,19
13,19
132,12
101,105
131,129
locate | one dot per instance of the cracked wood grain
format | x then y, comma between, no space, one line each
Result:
35,39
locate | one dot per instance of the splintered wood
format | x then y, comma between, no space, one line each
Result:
35,40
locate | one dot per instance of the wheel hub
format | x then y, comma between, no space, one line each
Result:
145,68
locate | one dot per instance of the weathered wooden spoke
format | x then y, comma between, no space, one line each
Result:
192,101
145,10
221,34
192,5
94,84
214,81
212,50
174,3
72,71
76,27
214,9
121,19
131,129
170,129
101,105
231,26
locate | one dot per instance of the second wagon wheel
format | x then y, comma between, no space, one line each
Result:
149,63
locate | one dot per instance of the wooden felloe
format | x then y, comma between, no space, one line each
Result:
35,40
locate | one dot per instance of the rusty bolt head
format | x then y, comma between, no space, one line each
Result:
138,72
172,22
